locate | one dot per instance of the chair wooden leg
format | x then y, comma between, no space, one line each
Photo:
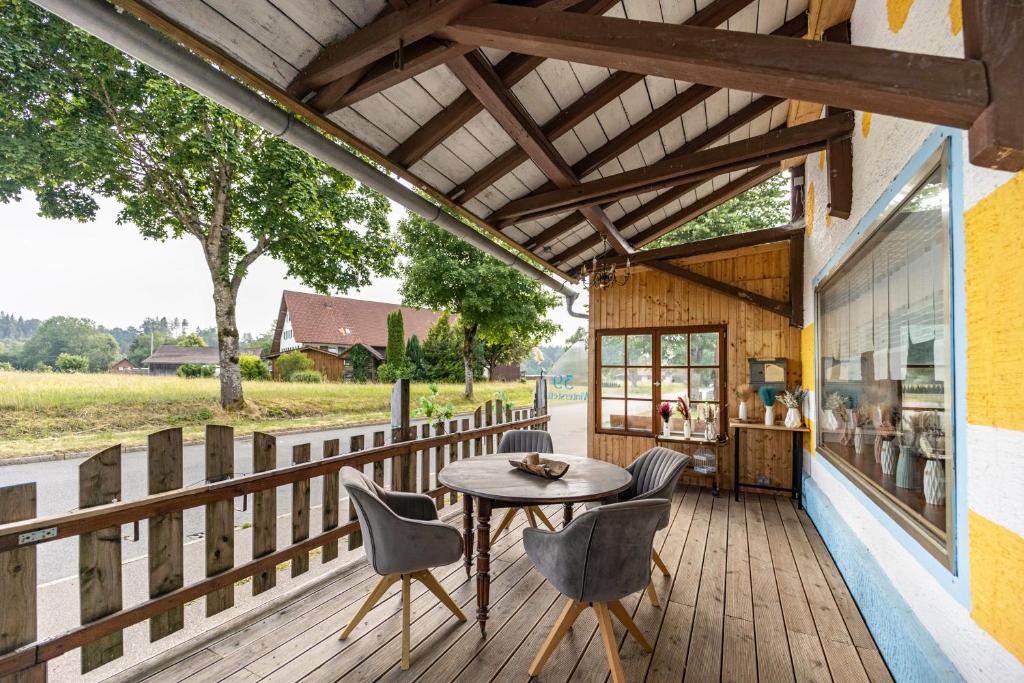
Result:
505,523
658,563
530,518
611,643
372,599
622,615
543,518
652,595
565,621
428,580
405,621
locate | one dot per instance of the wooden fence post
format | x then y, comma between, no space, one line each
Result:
99,556
166,567
330,502
300,511
18,581
438,462
478,422
489,421
378,465
220,516
403,468
355,539
453,455
264,511
540,400
424,460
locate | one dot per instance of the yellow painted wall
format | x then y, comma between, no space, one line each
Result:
994,239
997,581
807,362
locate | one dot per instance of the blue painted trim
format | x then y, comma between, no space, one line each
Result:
909,650
957,582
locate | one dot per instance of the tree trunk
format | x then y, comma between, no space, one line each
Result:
468,339
227,346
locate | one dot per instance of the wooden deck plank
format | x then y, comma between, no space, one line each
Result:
747,580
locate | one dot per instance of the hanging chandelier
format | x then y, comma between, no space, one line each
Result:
608,275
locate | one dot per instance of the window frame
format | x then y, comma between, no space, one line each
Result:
656,367
940,546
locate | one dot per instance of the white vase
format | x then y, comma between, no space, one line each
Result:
686,429
935,483
793,419
831,421
743,411
769,416
889,456
858,440
665,430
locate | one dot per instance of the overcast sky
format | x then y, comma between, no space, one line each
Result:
111,275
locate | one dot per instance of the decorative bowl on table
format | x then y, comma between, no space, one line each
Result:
541,467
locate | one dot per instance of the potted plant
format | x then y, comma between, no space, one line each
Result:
665,410
683,408
835,411
744,393
767,395
793,400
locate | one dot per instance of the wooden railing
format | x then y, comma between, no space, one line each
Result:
97,524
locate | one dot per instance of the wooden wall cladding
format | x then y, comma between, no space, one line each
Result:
655,299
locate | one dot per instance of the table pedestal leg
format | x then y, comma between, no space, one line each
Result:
483,562
467,532
566,514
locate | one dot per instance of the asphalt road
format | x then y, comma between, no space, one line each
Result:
57,483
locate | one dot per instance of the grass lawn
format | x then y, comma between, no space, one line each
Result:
59,413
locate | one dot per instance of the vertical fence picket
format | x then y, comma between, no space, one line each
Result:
99,556
264,511
378,465
478,422
403,467
300,511
166,565
489,421
438,461
540,400
509,417
18,581
220,516
355,539
330,502
424,460
453,455
465,444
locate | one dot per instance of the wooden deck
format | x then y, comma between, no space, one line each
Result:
754,595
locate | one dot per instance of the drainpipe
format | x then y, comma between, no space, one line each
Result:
128,34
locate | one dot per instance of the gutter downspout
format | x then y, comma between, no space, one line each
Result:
128,34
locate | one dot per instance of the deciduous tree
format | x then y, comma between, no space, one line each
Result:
81,120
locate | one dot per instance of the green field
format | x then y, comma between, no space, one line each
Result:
59,413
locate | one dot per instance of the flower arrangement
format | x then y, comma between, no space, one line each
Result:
767,395
744,392
794,398
838,404
683,408
665,410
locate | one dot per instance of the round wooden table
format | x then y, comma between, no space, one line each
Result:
491,478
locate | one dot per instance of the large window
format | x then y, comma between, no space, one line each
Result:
638,369
885,393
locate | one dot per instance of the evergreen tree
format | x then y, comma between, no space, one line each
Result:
417,363
442,352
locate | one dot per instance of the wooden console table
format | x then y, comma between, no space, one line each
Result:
679,439
798,458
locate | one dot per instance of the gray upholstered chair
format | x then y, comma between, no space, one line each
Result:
655,474
523,441
596,560
403,540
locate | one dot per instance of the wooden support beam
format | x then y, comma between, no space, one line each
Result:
511,69
933,89
701,206
839,152
796,278
379,39
772,146
744,295
480,78
993,34
597,97
711,135
739,240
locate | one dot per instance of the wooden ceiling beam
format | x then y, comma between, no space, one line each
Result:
511,69
597,97
933,89
480,78
701,206
709,136
378,39
782,308
739,240
772,146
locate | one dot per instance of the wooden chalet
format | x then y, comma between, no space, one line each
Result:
879,536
